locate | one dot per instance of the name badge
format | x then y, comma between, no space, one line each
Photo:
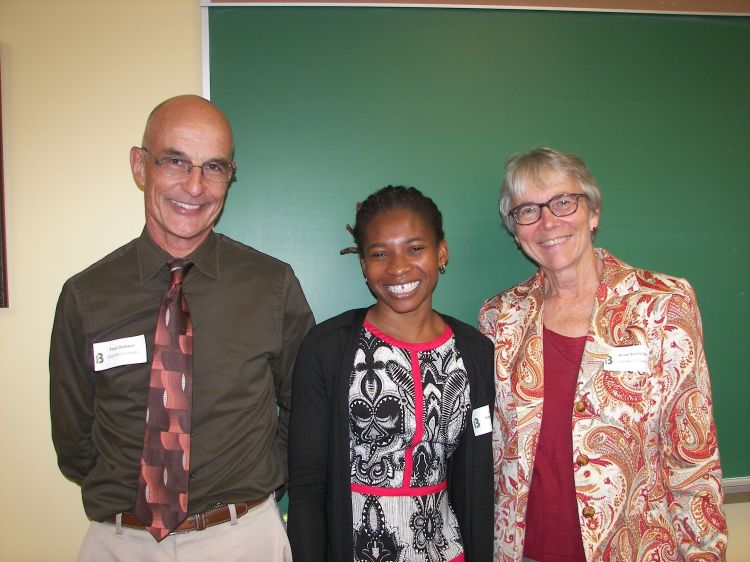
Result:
481,421
115,353
627,358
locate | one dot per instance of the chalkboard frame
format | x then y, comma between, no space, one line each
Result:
4,303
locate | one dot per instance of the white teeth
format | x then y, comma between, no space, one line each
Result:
554,241
402,289
185,205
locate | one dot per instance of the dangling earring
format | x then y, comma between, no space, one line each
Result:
518,245
441,268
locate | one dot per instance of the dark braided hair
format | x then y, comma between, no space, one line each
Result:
396,197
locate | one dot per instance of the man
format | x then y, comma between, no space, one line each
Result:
240,315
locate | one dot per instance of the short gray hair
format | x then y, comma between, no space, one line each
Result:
542,167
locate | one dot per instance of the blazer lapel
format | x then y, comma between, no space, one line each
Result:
618,280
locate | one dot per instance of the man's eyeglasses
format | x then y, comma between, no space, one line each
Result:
219,171
560,205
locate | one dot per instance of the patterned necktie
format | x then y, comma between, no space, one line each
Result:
163,484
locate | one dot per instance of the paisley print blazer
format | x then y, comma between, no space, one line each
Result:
645,457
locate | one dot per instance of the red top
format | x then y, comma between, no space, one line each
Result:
553,530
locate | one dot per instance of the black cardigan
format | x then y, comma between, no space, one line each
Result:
320,507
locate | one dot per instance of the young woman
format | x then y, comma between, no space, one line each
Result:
390,438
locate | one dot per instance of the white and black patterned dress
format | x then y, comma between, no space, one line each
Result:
408,407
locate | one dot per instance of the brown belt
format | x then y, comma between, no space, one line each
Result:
197,522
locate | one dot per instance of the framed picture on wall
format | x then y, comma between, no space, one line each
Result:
3,261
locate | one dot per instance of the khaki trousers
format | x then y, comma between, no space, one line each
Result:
259,535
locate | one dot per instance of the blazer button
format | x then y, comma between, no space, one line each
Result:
580,406
582,460
588,512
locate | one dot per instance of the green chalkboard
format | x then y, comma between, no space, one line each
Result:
329,104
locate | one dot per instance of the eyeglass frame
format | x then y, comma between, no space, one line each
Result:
512,212
160,162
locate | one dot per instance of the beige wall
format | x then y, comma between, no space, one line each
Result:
79,77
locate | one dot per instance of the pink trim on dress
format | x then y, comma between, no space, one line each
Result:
422,346
381,491
416,374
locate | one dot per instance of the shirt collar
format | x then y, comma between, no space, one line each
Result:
151,258
206,256
617,276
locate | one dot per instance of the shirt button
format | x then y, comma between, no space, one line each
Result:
580,406
582,460
588,512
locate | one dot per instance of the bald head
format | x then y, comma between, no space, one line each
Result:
189,109
181,208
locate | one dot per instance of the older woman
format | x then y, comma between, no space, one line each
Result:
605,445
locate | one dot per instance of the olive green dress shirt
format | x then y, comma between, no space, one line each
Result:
249,315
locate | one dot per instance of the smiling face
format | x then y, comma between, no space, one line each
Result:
180,211
400,261
559,245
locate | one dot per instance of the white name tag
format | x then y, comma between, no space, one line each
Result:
627,358
481,421
115,353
